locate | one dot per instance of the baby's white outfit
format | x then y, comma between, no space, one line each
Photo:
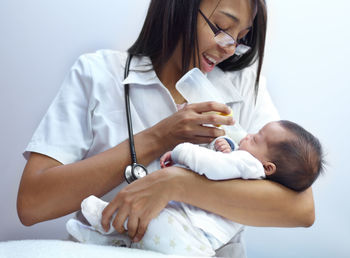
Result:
181,228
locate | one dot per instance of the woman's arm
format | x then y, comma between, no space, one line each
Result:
49,189
250,202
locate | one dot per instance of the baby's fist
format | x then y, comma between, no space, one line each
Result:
222,145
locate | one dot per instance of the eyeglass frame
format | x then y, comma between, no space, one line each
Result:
217,31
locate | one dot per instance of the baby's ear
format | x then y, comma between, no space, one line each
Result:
269,168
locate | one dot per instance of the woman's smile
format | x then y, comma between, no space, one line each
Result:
207,63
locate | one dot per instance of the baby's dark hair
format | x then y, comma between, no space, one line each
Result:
299,160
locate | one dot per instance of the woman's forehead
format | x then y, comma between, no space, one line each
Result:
239,11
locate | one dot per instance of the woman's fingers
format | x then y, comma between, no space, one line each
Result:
187,124
107,215
120,218
208,131
216,119
202,139
141,230
140,202
209,106
207,113
133,225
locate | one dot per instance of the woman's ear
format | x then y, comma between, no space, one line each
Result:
269,168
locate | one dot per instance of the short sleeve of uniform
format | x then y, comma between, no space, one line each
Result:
64,133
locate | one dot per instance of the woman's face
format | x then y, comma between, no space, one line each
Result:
232,16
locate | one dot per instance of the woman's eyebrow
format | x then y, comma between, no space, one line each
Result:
234,18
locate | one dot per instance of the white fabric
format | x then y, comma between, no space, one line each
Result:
168,227
68,249
88,235
218,165
88,114
92,208
171,232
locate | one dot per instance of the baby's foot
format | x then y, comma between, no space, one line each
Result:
92,208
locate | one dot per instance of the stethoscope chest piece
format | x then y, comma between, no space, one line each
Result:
134,171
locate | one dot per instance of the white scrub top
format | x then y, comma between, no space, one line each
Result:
88,114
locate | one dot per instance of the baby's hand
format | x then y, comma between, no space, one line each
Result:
222,145
165,160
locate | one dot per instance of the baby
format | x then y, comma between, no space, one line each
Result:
281,151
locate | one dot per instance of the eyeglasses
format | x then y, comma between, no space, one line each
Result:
225,40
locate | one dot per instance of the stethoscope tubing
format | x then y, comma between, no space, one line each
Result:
128,112
129,173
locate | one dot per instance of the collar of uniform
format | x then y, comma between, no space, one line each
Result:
224,85
141,72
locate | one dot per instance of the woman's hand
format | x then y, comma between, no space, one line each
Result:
140,202
186,125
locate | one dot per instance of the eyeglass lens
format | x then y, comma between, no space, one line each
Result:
226,41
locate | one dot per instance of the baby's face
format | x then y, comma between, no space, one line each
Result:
257,144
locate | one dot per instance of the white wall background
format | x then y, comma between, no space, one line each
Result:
307,63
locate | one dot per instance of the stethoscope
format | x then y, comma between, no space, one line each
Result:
135,170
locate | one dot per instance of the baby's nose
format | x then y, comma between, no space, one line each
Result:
248,136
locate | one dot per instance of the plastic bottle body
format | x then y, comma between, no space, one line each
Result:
195,87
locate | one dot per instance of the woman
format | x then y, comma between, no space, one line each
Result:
80,149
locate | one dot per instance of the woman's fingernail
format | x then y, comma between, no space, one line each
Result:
136,239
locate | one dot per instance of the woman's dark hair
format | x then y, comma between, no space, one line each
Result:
299,160
168,21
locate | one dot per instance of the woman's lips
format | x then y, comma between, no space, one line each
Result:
208,63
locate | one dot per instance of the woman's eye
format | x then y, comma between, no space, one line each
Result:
241,37
217,26
221,28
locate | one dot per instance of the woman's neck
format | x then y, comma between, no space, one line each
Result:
169,74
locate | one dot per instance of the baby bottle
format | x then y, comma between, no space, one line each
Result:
195,87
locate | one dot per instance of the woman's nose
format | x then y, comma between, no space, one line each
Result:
228,50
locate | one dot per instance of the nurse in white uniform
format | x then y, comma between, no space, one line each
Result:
81,145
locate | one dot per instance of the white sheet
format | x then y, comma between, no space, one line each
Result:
68,249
